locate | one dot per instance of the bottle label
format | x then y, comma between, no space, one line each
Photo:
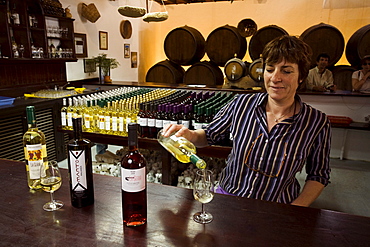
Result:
44,152
128,121
173,122
186,123
151,122
165,122
174,138
159,123
87,121
69,119
101,122
107,122
114,123
78,170
64,118
143,121
121,124
33,154
133,180
198,126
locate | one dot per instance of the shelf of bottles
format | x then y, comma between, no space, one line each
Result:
29,32
111,111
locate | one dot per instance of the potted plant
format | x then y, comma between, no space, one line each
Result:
105,65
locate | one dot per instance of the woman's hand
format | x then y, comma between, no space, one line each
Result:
198,137
180,130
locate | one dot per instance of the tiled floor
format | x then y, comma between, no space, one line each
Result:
348,191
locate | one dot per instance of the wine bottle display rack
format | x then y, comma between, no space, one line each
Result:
110,112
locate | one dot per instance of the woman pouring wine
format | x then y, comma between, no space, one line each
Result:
274,134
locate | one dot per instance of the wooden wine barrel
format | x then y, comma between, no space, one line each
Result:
225,43
235,69
256,70
184,45
324,38
262,37
247,27
358,46
204,73
165,72
343,77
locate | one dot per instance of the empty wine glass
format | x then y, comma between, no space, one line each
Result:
51,180
203,190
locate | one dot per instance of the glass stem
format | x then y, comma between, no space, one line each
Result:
51,197
203,211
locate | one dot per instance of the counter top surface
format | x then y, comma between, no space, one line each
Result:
237,221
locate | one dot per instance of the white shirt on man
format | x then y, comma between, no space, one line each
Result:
315,79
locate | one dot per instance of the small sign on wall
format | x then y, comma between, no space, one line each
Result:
80,45
127,50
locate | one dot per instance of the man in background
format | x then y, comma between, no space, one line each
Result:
320,78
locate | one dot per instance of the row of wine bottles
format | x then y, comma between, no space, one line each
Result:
107,112
133,169
110,112
79,160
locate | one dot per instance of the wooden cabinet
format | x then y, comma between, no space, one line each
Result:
35,29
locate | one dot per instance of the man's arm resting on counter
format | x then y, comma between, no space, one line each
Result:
311,191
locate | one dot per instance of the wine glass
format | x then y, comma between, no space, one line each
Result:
51,180
203,189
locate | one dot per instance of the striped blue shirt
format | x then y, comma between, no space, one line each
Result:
276,156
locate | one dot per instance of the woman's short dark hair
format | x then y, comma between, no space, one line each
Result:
291,49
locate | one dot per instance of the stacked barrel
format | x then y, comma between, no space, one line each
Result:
226,46
186,46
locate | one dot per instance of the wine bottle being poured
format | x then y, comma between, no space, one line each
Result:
182,149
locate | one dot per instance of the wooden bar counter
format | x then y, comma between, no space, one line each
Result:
237,221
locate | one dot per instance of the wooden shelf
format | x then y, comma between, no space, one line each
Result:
152,144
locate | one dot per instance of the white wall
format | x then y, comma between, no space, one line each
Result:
109,22
346,143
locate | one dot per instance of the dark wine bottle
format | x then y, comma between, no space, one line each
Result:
143,120
133,177
80,168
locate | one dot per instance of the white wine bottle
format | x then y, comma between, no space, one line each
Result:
34,149
63,114
182,149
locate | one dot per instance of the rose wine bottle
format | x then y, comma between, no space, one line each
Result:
133,177
80,167
34,149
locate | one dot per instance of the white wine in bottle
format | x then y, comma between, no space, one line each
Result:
182,149
34,149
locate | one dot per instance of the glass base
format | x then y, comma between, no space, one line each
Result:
52,206
203,217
